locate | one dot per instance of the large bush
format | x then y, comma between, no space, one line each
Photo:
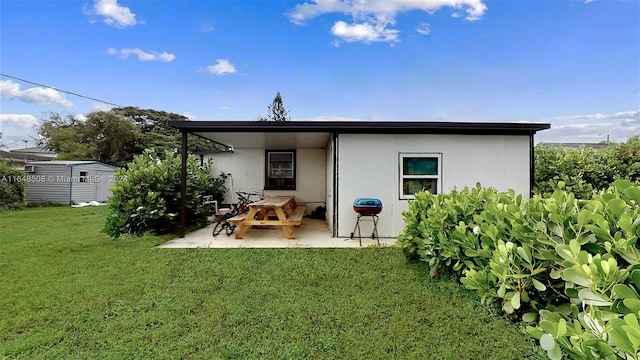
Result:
622,161
11,186
578,169
146,196
585,170
568,267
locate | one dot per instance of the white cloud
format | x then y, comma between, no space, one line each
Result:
302,12
423,29
9,89
225,107
80,117
365,32
597,127
34,95
189,115
100,107
40,95
142,55
613,116
112,13
222,66
25,121
372,19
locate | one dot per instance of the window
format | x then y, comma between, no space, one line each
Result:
418,172
280,170
83,176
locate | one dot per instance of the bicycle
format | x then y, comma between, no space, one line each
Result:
244,199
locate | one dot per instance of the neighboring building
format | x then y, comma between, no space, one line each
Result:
19,159
68,182
331,164
36,151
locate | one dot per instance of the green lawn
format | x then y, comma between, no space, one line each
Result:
68,291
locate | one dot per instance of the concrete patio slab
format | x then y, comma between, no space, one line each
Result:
312,233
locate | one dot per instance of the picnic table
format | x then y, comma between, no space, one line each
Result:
283,208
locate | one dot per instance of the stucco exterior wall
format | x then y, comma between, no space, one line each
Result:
246,167
368,166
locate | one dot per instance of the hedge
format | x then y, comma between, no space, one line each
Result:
569,268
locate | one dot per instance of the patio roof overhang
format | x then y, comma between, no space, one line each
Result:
315,134
363,127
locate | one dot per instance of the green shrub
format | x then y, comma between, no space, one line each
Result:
579,169
436,228
569,267
602,281
11,186
622,161
484,238
585,170
147,194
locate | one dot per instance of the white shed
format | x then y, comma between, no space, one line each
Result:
333,163
68,182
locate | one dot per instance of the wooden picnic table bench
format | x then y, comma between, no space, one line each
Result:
284,208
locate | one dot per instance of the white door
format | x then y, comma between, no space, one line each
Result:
103,184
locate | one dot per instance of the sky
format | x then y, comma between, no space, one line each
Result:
572,63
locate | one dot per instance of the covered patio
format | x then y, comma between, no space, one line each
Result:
313,233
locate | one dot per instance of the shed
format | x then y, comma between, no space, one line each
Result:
68,182
332,163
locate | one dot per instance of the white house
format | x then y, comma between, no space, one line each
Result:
68,182
331,164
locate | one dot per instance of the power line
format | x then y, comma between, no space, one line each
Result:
62,91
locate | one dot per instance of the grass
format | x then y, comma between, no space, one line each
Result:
67,291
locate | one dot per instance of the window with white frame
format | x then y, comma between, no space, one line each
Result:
280,171
420,172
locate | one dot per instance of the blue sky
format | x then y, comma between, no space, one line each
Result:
574,64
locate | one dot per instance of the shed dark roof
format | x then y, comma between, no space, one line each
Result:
362,127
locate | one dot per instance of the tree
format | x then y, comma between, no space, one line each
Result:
115,136
67,137
156,132
103,136
276,111
1,144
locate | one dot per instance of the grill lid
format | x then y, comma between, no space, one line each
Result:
371,203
